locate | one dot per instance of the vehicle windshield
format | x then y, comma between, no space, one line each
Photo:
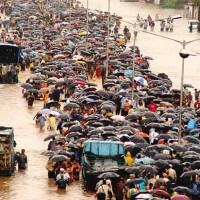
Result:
104,149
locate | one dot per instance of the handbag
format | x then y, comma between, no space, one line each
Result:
101,195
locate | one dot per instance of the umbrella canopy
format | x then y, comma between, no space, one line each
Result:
118,118
49,137
161,193
58,158
190,173
133,170
180,197
49,112
48,153
76,128
182,190
145,160
27,86
107,175
162,164
135,181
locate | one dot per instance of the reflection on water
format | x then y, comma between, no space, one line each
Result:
33,184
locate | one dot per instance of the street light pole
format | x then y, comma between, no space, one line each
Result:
181,95
87,25
108,34
133,66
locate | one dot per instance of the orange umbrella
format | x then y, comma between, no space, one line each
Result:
142,134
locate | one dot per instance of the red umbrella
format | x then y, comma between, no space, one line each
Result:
80,83
161,193
180,197
142,134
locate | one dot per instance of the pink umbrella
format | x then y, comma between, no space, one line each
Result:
118,118
180,197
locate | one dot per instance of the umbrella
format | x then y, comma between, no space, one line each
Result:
27,86
76,128
49,112
162,156
141,80
118,118
51,136
137,139
71,145
149,169
135,181
64,116
144,135
145,160
72,105
180,197
161,193
133,170
190,173
65,153
178,147
185,85
74,134
58,158
195,165
107,175
162,164
191,139
48,153
182,190
155,125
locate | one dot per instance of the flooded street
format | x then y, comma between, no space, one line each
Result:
33,183
165,52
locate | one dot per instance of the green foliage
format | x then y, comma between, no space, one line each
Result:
176,4
197,2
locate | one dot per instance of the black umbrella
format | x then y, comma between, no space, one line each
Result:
64,153
74,134
164,136
190,158
64,116
182,190
162,164
149,168
135,181
49,137
27,86
161,156
155,125
195,148
190,173
133,116
76,128
178,147
71,145
58,158
191,139
48,153
108,175
72,105
188,85
137,139
195,165
133,170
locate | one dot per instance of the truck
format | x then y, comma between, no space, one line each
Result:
99,157
7,153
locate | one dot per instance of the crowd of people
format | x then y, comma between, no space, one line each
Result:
64,66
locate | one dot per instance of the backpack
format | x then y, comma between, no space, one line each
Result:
62,183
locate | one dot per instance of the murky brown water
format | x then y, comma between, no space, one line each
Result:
33,184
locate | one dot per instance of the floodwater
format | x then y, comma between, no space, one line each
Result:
33,183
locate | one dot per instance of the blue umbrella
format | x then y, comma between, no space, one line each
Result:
128,73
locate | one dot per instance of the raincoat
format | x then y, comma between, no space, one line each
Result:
129,159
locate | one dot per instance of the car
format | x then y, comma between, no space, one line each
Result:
194,23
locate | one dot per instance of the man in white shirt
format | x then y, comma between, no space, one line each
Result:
152,135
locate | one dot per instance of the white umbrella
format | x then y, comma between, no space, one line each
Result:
49,112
